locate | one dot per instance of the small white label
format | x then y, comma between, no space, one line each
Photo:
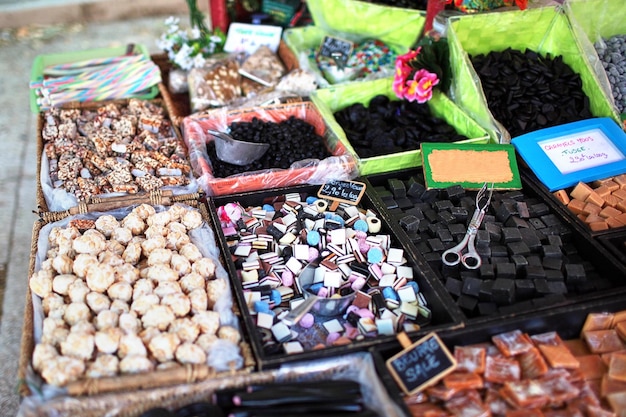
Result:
244,37
582,150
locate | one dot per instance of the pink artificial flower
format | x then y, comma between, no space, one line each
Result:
420,88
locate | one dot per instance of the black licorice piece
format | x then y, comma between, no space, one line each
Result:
518,248
517,222
511,234
460,214
455,192
499,251
539,209
458,230
551,251
495,231
505,211
487,308
423,247
524,289
415,211
530,238
536,223
429,196
391,203
550,220
575,273
471,286
404,203
441,205
397,188
487,271
505,270
535,272
433,258
541,286
454,286
503,291
557,287
383,193
446,217
430,215
410,223
482,238
434,227
495,260
414,188
555,240
552,263
467,303
485,293
520,263
522,210
445,236
554,275
484,251
436,245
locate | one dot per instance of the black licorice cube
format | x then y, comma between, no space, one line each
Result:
511,234
505,211
455,192
482,238
415,211
471,286
539,209
433,228
555,240
404,203
515,221
430,196
485,293
441,205
499,251
530,238
436,245
391,203
534,260
523,210
451,271
536,223
487,308
487,271
505,270
575,274
423,247
445,236
460,214
446,217
518,248
520,263
551,251
503,291
535,272
484,251
433,258
458,230
552,264
414,188
557,287
524,289
550,220
396,187
541,286
499,260
431,215
410,223
468,203
454,286
467,303
495,231
554,275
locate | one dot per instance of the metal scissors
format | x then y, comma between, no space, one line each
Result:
471,259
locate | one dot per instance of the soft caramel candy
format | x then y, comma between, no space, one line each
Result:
603,341
591,208
620,193
595,198
562,196
578,347
462,380
559,356
621,180
591,366
614,223
609,212
598,321
602,191
598,226
470,358
617,367
581,191
533,364
577,206
500,369
611,200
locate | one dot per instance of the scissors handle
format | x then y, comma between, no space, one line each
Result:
452,256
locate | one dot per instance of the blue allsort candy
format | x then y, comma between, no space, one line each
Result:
311,199
313,238
390,294
262,307
360,226
374,255
413,285
276,298
268,207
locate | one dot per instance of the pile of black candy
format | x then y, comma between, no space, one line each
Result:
390,126
526,91
529,258
290,141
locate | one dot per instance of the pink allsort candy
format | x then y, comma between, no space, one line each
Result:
323,292
332,337
352,309
307,320
313,254
287,277
365,313
358,283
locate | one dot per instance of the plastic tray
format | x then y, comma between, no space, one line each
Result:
43,61
444,312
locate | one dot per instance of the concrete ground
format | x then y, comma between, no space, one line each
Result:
30,28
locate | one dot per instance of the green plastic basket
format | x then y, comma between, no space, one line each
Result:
43,61
545,30
330,100
355,21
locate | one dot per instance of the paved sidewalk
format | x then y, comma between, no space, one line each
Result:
18,160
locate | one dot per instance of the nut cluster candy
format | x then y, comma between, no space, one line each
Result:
272,244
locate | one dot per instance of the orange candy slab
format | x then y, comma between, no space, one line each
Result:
470,358
501,370
591,366
598,321
462,380
617,367
512,343
559,356
603,341
533,364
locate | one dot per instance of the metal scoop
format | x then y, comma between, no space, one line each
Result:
237,152
320,305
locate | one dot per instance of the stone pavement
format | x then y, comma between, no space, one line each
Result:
18,159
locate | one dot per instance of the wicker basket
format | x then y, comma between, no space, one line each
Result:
124,383
43,196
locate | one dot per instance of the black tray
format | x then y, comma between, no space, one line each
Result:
607,276
445,314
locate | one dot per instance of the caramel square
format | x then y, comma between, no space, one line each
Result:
620,328
603,341
619,316
620,193
617,367
577,206
581,191
614,223
621,180
559,356
591,366
591,208
602,191
562,196
621,218
598,321
595,198
598,226
611,200
609,212
470,358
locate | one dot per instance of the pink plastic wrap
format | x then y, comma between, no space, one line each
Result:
339,166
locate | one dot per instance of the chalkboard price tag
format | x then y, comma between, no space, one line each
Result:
339,191
420,364
336,48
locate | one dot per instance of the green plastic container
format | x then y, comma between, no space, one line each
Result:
595,20
43,61
330,100
355,21
545,30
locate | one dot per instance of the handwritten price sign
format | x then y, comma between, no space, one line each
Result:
580,151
